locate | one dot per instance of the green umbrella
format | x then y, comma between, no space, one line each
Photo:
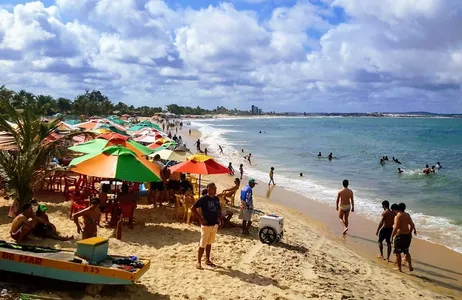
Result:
140,126
116,162
98,145
112,128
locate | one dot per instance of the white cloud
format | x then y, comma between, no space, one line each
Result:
291,57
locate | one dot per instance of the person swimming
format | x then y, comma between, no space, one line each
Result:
433,169
400,171
438,165
426,171
330,156
382,161
319,154
301,174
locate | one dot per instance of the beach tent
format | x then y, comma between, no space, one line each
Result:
116,162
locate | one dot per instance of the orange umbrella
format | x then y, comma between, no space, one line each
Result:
200,164
112,136
116,162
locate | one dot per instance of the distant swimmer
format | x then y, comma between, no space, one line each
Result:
260,131
242,150
438,165
433,169
400,171
330,156
385,157
345,197
220,148
396,160
385,229
426,171
301,174
382,161
319,154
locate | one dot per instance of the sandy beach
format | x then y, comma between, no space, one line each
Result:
311,262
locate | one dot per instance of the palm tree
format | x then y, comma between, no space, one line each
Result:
24,158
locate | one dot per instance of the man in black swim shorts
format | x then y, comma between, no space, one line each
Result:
385,229
402,233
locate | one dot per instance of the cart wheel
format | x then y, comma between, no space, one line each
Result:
94,289
267,235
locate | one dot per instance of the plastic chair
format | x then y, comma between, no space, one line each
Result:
178,204
70,185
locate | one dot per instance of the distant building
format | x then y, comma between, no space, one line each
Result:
255,110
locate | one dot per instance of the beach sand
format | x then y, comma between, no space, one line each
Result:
307,264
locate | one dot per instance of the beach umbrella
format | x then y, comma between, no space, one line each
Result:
158,144
200,164
116,162
171,154
148,139
89,125
111,128
112,135
97,145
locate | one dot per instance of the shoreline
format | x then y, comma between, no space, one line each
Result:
436,266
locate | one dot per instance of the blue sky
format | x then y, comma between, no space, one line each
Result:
283,55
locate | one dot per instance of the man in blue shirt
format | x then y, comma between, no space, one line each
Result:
247,206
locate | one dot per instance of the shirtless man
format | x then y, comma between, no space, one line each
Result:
402,234
385,229
345,195
21,226
90,217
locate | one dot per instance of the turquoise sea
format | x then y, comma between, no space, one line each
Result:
291,145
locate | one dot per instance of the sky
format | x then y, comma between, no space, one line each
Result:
280,55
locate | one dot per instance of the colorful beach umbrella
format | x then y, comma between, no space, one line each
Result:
112,136
111,128
116,162
158,144
97,145
171,154
200,164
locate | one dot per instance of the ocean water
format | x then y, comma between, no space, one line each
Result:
291,145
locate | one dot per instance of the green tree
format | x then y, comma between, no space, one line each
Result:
24,158
64,105
46,105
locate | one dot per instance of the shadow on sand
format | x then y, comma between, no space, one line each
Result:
17,284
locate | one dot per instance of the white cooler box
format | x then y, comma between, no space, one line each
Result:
271,228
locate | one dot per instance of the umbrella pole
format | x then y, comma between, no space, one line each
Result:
199,186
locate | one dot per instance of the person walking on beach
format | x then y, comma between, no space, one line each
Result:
241,170
206,151
385,229
402,234
247,206
345,197
198,145
271,174
210,220
248,158
220,148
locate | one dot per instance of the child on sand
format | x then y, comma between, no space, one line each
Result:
231,169
271,174
241,170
